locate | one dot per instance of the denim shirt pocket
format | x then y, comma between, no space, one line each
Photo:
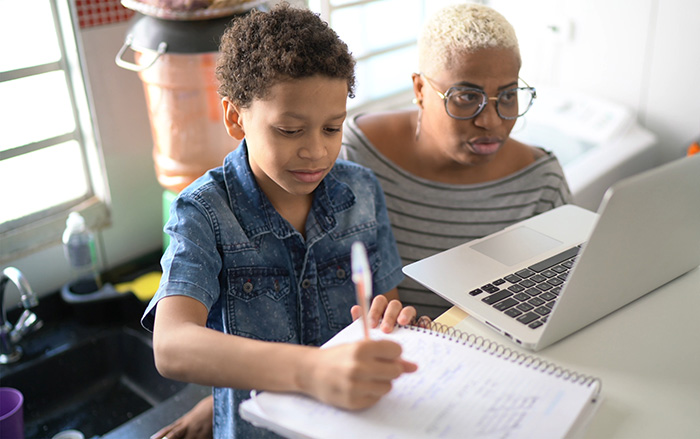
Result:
337,289
260,303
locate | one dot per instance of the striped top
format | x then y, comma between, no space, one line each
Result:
428,217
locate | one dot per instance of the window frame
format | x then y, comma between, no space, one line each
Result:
395,100
403,96
41,229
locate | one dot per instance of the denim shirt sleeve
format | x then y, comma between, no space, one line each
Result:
191,255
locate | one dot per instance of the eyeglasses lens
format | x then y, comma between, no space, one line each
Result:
465,104
514,103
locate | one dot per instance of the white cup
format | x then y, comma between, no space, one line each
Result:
69,434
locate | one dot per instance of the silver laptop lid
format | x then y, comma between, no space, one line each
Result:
647,234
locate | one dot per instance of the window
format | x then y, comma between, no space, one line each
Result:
50,163
381,35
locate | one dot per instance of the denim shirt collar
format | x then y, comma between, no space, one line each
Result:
331,196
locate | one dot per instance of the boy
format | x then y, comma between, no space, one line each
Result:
259,254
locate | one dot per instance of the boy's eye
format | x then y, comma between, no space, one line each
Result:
288,132
332,130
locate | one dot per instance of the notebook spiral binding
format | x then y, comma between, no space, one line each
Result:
493,348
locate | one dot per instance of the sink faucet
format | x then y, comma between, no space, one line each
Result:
28,321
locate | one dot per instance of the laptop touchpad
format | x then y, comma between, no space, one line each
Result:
516,245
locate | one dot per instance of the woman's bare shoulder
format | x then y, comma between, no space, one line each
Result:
383,128
526,154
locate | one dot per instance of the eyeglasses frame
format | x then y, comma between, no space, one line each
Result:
446,96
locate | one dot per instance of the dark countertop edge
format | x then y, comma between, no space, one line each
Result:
152,420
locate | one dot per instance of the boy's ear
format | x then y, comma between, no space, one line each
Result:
233,120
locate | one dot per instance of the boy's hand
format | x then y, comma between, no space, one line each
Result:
389,313
354,376
195,424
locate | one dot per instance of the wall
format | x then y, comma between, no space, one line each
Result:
643,54
640,53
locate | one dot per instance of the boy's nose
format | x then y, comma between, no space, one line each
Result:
314,148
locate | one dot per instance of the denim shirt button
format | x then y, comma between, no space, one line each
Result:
340,273
305,283
247,287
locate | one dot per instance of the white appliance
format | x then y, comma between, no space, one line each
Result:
597,142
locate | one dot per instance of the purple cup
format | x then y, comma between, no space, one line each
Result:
11,414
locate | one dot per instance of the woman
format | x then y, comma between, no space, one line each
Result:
448,168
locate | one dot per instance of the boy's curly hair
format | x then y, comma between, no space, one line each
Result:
262,48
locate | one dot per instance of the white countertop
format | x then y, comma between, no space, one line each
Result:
647,355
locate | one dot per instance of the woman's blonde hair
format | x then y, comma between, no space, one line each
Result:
459,29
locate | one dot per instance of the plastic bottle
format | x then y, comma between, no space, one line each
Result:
79,248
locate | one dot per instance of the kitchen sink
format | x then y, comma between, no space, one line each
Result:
95,384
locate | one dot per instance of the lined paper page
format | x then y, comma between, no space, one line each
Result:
457,392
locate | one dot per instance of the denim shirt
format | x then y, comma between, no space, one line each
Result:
258,277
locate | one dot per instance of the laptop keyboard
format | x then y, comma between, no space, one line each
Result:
528,295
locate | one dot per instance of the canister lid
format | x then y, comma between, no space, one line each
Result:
196,36
191,9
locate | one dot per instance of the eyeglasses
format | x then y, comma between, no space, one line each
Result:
464,103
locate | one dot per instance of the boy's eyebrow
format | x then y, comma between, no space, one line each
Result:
302,117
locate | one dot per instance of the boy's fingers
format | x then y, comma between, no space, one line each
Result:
379,349
408,366
376,310
423,322
390,316
355,312
407,315
389,364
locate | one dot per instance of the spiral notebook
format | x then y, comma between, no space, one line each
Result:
465,386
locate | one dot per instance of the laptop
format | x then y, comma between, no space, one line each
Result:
546,277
